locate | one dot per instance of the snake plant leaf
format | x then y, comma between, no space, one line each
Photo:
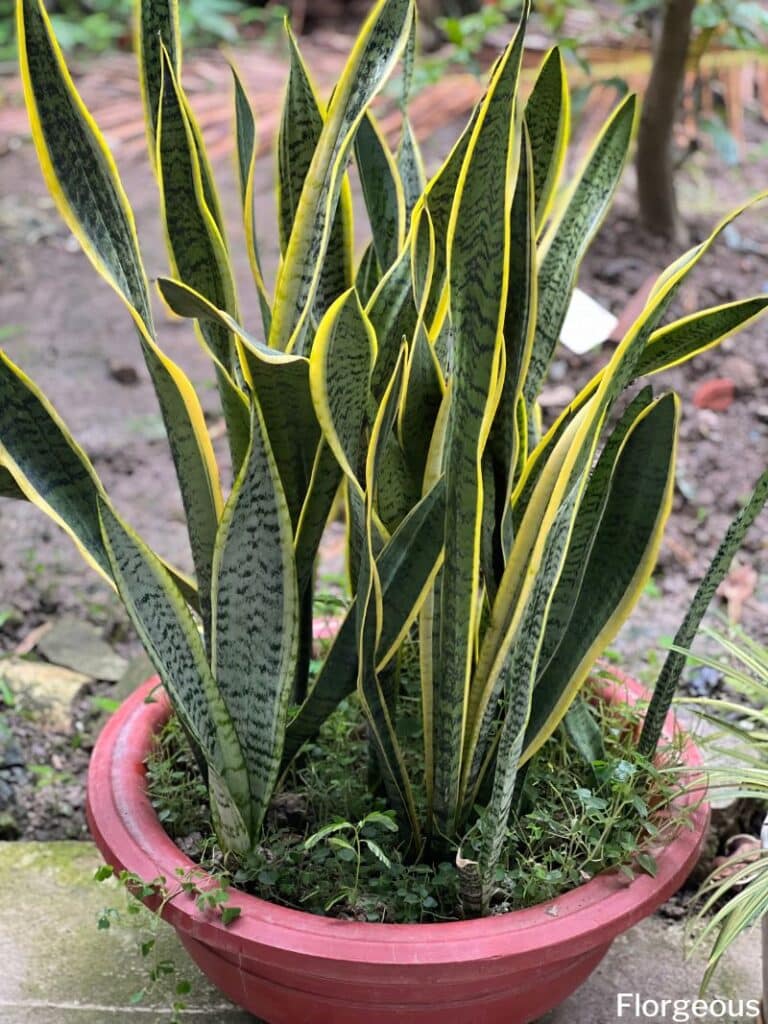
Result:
197,250
547,119
517,686
324,483
478,243
682,339
41,462
519,324
157,26
392,313
84,183
398,487
410,167
516,647
439,199
587,525
171,638
339,378
373,692
368,274
301,125
254,636
281,385
245,132
513,590
574,225
422,400
429,616
158,30
619,563
381,39
664,691
382,191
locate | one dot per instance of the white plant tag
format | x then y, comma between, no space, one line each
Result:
587,324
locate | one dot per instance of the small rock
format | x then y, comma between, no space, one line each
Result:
704,681
44,690
762,413
741,371
123,373
716,394
78,645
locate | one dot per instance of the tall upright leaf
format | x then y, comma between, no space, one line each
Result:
574,225
170,637
198,254
245,131
478,244
380,41
301,126
547,118
254,638
83,180
382,190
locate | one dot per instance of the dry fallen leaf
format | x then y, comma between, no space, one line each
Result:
737,587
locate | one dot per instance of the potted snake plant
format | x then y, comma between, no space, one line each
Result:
507,553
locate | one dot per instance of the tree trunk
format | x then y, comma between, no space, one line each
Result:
655,157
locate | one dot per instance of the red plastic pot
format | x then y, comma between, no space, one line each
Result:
289,967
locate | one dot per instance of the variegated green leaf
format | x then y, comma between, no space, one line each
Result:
382,191
157,29
612,566
380,41
374,692
439,198
575,223
83,180
340,379
368,274
171,639
478,243
300,130
519,323
392,312
422,400
587,524
42,463
547,118
410,166
255,603
245,131
682,339
281,385
198,254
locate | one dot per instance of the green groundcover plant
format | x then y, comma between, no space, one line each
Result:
409,380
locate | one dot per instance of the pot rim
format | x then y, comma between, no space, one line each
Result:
129,834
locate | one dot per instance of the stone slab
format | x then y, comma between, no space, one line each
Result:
59,968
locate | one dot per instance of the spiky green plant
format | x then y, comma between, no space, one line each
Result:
735,896
411,381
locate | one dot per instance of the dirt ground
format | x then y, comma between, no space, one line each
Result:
71,335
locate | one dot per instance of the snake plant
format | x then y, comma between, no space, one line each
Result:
408,380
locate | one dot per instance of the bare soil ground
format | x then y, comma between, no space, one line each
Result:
70,334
